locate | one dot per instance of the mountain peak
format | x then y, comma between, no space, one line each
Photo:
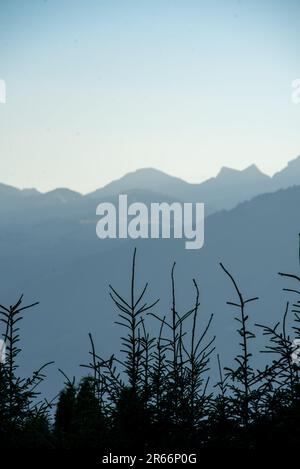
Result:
145,173
225,171
145,178
148,170
249,171
252,168
63,194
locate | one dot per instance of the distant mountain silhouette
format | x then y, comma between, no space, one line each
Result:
63,194
229,188
10,191
289,176
232,186
146,179
49,251
225,191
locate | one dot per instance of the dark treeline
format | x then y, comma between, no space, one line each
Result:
156,396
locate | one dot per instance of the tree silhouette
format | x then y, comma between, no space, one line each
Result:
157,396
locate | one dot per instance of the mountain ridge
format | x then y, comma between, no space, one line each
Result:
224,191
64,265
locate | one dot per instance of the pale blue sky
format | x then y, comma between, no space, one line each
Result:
99,88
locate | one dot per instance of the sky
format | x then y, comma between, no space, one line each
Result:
95,89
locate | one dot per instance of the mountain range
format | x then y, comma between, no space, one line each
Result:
229,188
49,251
